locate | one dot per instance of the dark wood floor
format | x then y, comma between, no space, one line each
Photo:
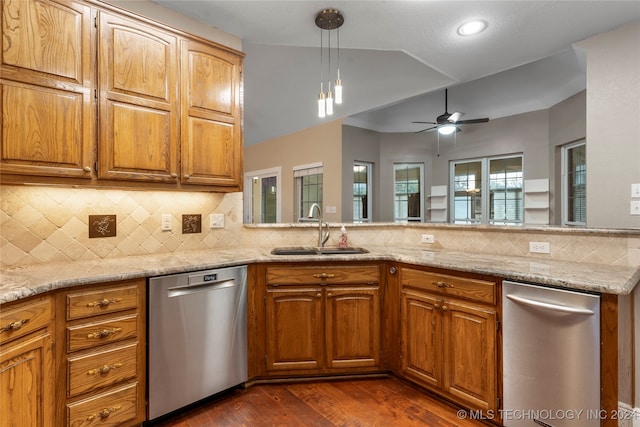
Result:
362,402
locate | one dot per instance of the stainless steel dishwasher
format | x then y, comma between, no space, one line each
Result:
551,356
197,332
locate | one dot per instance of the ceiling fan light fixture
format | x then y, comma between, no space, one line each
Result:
447,129
472,27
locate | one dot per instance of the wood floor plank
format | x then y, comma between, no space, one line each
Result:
376,402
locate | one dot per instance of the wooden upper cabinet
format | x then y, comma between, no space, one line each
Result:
45,81
138,69
211,123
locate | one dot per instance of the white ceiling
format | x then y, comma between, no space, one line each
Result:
397,56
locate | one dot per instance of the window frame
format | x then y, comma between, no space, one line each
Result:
565,183
421,193
369,192
485,191
249,197
299,173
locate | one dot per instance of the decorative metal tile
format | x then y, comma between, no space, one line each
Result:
102,226
191,223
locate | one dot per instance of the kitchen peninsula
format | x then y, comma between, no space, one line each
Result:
32,284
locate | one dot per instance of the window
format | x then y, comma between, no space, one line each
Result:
487,190
574,184
505,190
262,196
362,191
308,188
408,191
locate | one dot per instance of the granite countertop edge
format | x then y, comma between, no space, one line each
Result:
22,282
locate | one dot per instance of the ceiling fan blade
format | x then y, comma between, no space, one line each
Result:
427,129
428,123
455,117
470,121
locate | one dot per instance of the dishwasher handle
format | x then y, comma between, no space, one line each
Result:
550,306
179,291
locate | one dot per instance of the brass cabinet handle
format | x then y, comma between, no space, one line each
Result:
436,306
14,326
445,308
186,176
443,284
324,275
104,369
103,333
103,302
86,169
174,175
104,413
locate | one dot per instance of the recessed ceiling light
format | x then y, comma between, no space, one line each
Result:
472,27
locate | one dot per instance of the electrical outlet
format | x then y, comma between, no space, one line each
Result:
539,247
635,191
635,207
428,238
166,222
216,220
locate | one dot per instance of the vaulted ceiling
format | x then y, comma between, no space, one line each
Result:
397,56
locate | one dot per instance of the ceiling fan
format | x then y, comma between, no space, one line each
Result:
447,123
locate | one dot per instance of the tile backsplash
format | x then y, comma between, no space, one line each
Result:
44,224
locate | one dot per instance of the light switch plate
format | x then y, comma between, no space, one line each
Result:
635,207
166,222
216,220
635,191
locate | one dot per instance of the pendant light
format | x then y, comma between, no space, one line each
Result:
329,19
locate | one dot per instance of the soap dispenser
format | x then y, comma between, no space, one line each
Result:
343,238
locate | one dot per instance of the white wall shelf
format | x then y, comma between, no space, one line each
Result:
536,201
438,203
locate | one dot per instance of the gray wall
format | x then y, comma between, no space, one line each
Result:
359,145
537,135
613,126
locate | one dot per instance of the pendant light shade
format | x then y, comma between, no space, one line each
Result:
329,19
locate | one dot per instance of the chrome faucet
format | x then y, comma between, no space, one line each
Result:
322,238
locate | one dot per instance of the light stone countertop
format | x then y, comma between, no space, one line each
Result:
21,282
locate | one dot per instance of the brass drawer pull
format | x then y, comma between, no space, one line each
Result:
324,275
14,326
445,308
104,413
104,369
103,333
103,302
443,284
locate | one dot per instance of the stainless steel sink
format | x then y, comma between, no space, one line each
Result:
317,251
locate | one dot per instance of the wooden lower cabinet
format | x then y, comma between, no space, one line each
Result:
450,343
101,354
26,364
322,319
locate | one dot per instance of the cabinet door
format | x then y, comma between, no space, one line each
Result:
47,115
211,150
422,337
26,383
352,327
294,329
138,68
470,354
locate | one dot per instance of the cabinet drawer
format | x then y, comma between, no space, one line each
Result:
113,408
444,284
98,333
330,274
20,319
90,372
93,303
